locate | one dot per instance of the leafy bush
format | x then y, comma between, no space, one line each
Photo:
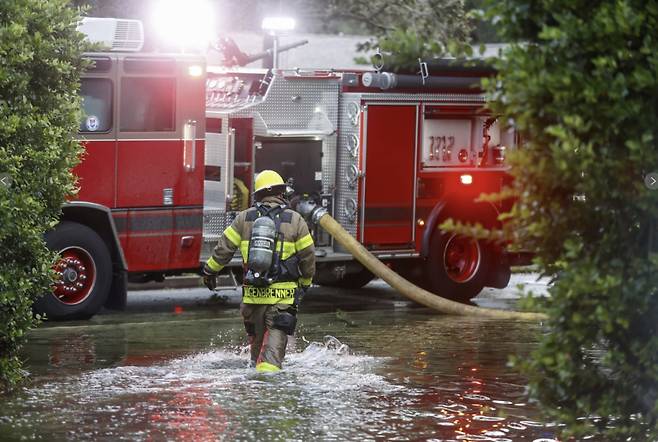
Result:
405,30
39,76
580,83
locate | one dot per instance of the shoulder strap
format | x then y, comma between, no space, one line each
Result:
272,212
286,216
252,214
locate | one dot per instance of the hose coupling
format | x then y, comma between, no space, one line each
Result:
318,213
310,210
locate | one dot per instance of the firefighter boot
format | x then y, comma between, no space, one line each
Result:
254,324
280,322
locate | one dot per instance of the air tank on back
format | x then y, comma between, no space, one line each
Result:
261,246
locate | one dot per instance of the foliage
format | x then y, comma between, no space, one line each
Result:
580,83
483,30
39,79
406,30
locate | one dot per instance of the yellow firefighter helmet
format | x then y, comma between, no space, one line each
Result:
268,180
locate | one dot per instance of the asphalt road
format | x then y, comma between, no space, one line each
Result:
375,295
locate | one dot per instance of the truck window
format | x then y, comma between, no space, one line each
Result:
96,105
147,104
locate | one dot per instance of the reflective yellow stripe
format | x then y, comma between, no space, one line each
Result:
305,281
214,265
284,285
304,242
244,250
266,367
267,301
288,249
277,293
232,235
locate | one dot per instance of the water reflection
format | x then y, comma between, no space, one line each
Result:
393,375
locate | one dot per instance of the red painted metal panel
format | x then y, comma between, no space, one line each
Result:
96,172
147,167
160,239
445,186
149,240
389,176
187,238
189,187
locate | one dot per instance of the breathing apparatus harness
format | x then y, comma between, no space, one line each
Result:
265,265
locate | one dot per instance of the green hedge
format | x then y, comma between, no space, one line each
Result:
580,82
39,77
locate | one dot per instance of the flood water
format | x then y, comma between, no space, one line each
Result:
384,374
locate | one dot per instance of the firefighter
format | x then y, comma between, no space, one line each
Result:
279,262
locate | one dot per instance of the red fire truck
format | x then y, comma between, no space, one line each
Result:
172,147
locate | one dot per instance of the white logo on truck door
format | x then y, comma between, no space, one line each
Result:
92,124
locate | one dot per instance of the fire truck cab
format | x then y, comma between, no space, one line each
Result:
139,210
172,148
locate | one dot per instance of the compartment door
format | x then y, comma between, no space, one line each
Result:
388,186
160,161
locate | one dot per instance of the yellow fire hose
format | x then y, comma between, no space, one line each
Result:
405,287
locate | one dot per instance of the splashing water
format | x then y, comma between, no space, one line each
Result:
319,385
431,379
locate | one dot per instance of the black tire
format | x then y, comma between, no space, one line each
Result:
349,281
499,270
448,281
355,280
82,254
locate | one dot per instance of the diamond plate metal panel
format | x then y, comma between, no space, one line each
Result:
216,145
215,221
214,195
347,157
206,250
294,104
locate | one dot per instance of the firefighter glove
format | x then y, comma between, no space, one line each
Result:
209,278
299,294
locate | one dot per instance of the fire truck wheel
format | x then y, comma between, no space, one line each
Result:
457,266
349,281
355,280
85,273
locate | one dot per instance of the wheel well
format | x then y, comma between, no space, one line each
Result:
99,219
484,213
